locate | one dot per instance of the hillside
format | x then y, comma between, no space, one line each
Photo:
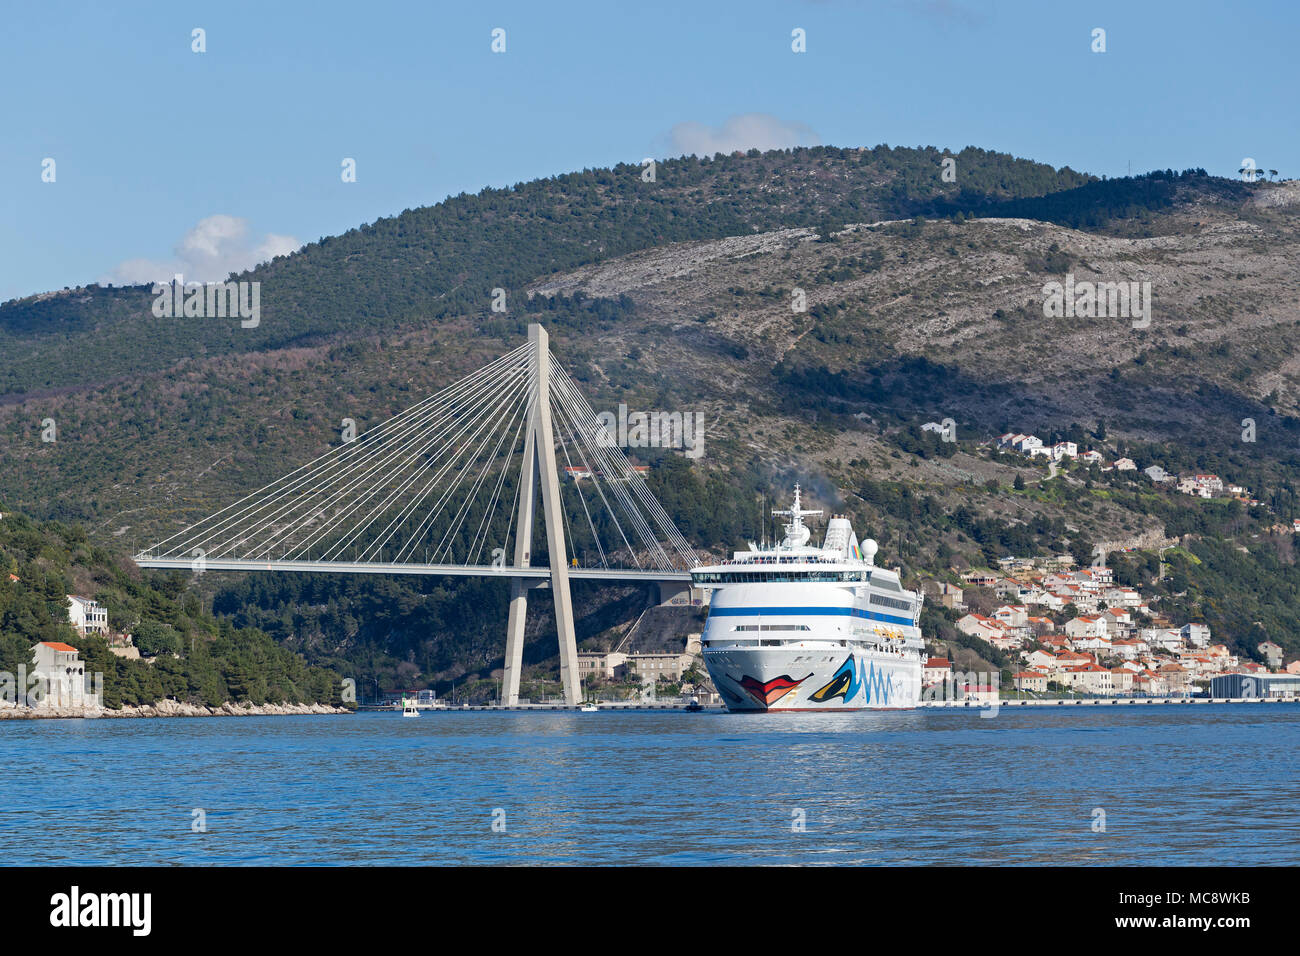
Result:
924,301
196,658
438,262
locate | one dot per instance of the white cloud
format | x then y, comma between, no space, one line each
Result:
216,247
747,131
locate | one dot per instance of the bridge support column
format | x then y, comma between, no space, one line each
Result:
673,593
539,469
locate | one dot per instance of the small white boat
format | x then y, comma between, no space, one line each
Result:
408,708
588,707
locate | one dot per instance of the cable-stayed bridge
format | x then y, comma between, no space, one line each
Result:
449,487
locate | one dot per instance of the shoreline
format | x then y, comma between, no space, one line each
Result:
168,708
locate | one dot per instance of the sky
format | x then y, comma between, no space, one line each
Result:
166,159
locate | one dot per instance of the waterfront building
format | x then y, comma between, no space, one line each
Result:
1091,679
1121,679
604,665
938,670
1256,685
1031,681
652,667
58,678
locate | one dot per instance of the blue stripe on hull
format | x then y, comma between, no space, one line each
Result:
810,612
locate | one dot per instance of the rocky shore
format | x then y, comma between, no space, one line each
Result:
170,708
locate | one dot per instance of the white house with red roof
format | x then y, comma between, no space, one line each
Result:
1096,578
1011,588
1027,444
1030,681
1128,648
1119,622
1122,597
1074,659
58,678
1097,646
1012,615
1056,643
1039,658
1091,678
1087,626
1166,638
977,625
1046,624
938,670
1040,598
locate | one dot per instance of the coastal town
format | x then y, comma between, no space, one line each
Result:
1074,630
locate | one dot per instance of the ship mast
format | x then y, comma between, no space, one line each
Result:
796,534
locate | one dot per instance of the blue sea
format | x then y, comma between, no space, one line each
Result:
1092,786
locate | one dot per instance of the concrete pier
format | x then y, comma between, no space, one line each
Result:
1107,702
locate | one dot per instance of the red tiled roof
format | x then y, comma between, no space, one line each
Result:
58,646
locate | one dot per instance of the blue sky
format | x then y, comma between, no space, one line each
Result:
169,158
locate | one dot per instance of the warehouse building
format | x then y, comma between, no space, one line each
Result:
1255,685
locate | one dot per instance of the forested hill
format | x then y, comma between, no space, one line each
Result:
196,658
438,261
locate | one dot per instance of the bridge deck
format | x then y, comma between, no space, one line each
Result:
373,567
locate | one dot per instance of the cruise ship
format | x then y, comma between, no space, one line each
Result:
797,627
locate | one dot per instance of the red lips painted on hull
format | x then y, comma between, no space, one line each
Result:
769,692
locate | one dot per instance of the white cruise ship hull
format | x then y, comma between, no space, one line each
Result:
814,679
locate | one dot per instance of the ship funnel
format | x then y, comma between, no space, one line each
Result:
839,537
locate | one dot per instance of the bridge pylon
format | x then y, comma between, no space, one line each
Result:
540,473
